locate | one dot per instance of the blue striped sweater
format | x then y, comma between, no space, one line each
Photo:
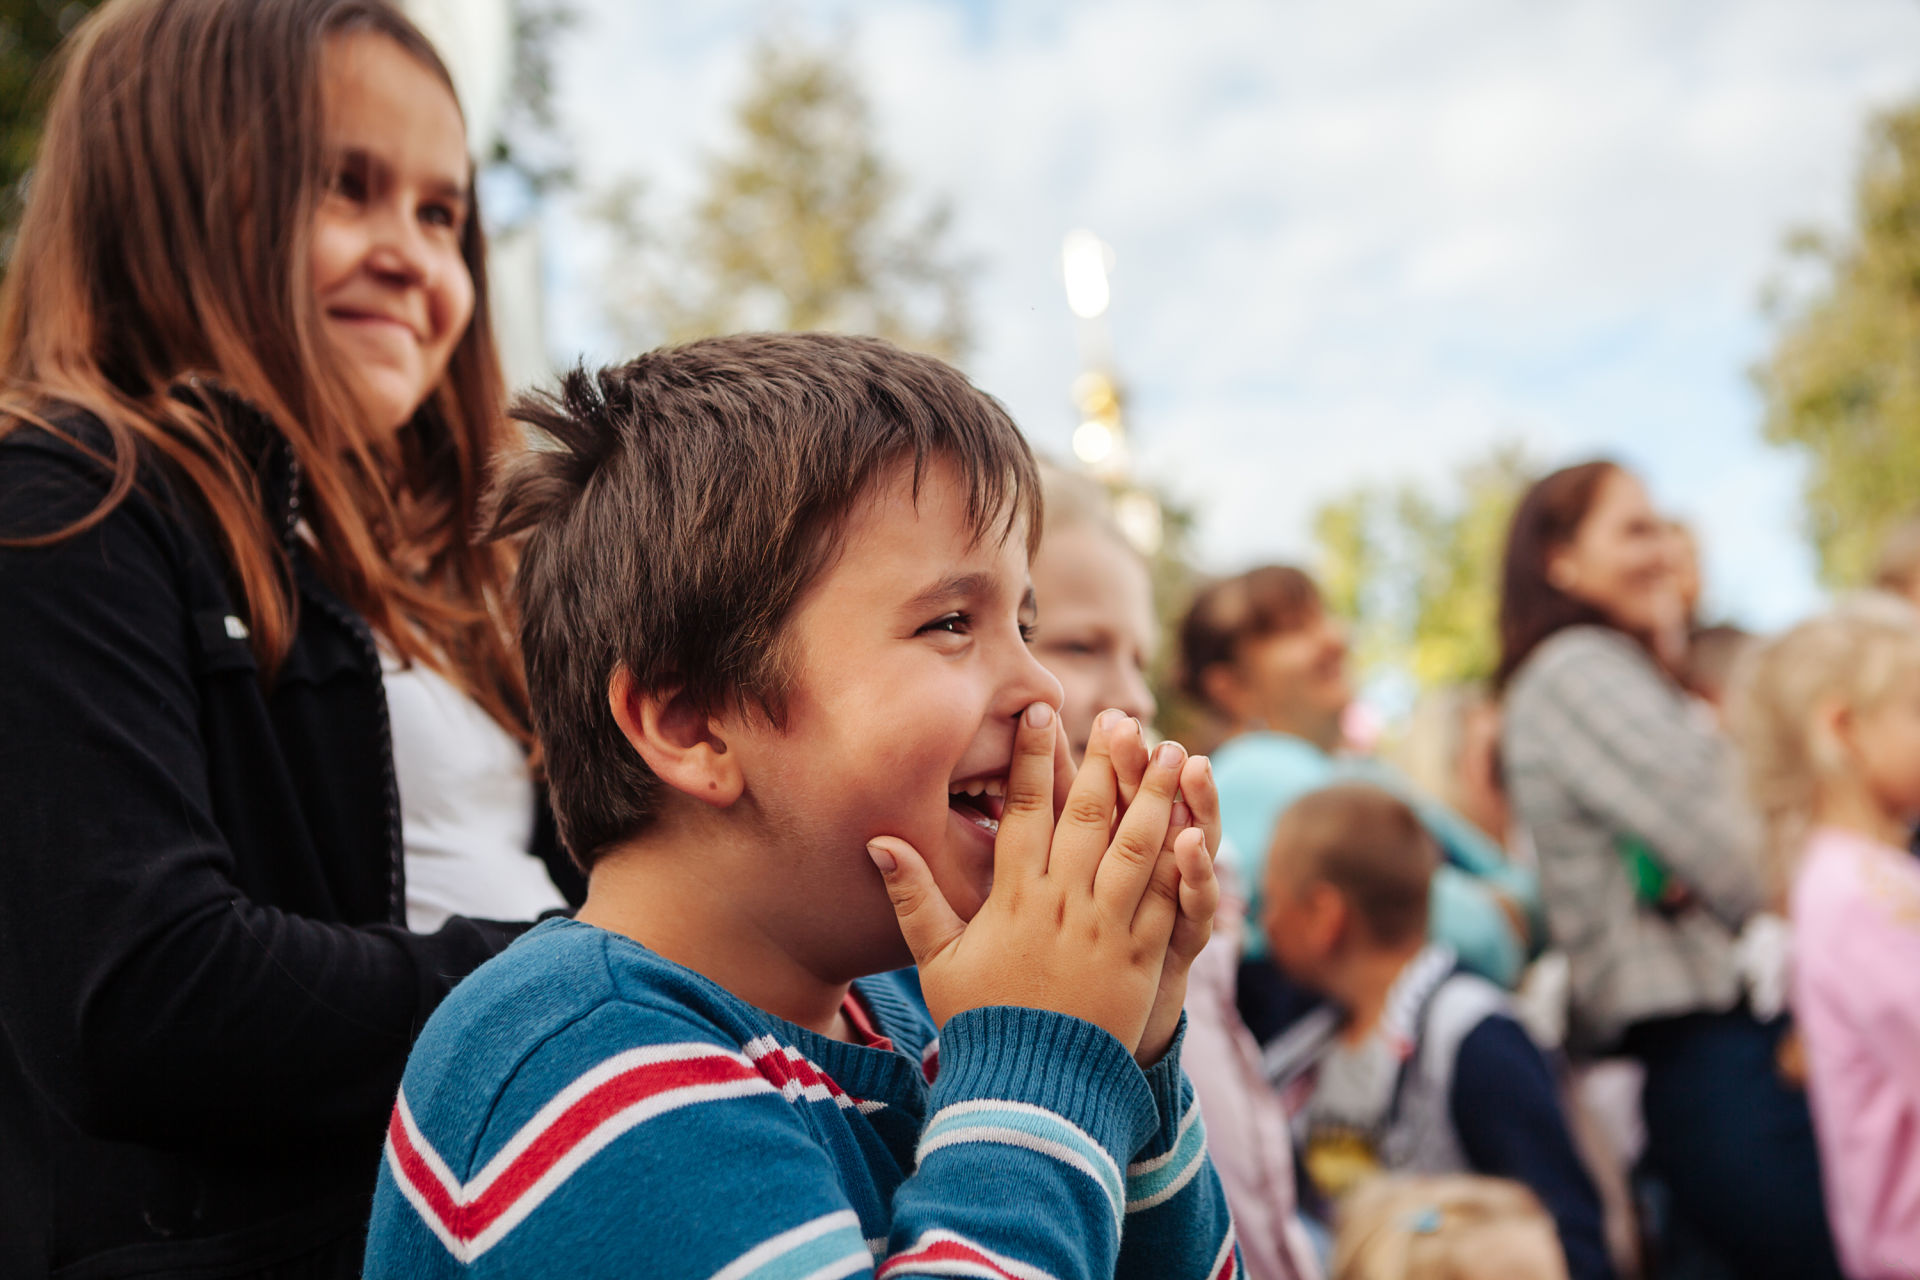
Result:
580,1106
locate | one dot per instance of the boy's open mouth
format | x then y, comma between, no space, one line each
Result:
979,801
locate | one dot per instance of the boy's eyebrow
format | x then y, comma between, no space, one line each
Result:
954,586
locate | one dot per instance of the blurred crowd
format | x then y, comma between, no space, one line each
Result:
1633,929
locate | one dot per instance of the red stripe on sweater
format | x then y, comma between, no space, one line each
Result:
945,1251
566,1131
419,1176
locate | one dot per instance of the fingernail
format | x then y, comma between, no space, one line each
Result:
1169,754
1206,767
1039,715
1106,720
883,858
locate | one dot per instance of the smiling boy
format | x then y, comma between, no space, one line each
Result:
775,618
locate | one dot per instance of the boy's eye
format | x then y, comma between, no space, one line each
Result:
956,624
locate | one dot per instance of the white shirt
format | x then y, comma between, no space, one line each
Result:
466,805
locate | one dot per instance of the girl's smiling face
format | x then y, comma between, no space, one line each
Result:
910,664
393,290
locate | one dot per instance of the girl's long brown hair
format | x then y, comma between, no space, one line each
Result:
1532,609
165,238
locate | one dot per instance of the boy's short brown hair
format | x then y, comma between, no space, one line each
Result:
1369,845
678,510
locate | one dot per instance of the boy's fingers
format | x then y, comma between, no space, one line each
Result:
1202,798
1026,818
927,922
1157,915
1128,867
1086,819
1199,894
1199,885
1129,758
1064,767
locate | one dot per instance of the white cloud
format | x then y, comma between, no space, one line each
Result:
1354,242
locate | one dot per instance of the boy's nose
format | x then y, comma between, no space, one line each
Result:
1031,683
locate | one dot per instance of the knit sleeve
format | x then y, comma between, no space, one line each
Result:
1177,1223
641,1143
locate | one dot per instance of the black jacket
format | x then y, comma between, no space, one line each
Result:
207,991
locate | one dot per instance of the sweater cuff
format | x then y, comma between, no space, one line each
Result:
1063,1065
1170,1160
1172,1098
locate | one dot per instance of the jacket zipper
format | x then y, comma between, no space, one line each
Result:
370,651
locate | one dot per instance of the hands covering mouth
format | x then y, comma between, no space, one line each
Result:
1098,906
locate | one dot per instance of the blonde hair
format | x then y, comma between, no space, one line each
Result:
1446,1228
1075,500
1854,652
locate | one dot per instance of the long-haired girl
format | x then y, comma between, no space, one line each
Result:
1829,719
250,394
1619,781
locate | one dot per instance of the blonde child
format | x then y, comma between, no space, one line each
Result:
1449,1228
1830,722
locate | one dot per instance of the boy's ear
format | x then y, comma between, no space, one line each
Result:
679,742
1332,918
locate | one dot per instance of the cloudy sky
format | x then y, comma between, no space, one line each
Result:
1354,243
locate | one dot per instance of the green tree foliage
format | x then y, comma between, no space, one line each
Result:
802,225
1419,573
1843,381
30,30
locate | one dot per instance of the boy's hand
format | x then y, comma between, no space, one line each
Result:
1077,921
1193,839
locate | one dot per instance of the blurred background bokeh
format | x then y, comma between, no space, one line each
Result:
1319,283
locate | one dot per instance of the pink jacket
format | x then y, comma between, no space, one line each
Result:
1247,1132
1856,996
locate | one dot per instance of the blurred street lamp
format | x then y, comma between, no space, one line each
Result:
1100,441
1086,260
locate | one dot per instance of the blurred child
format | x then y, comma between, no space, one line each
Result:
1446,1228
1830,723
1425,1070
1097,635
775,607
